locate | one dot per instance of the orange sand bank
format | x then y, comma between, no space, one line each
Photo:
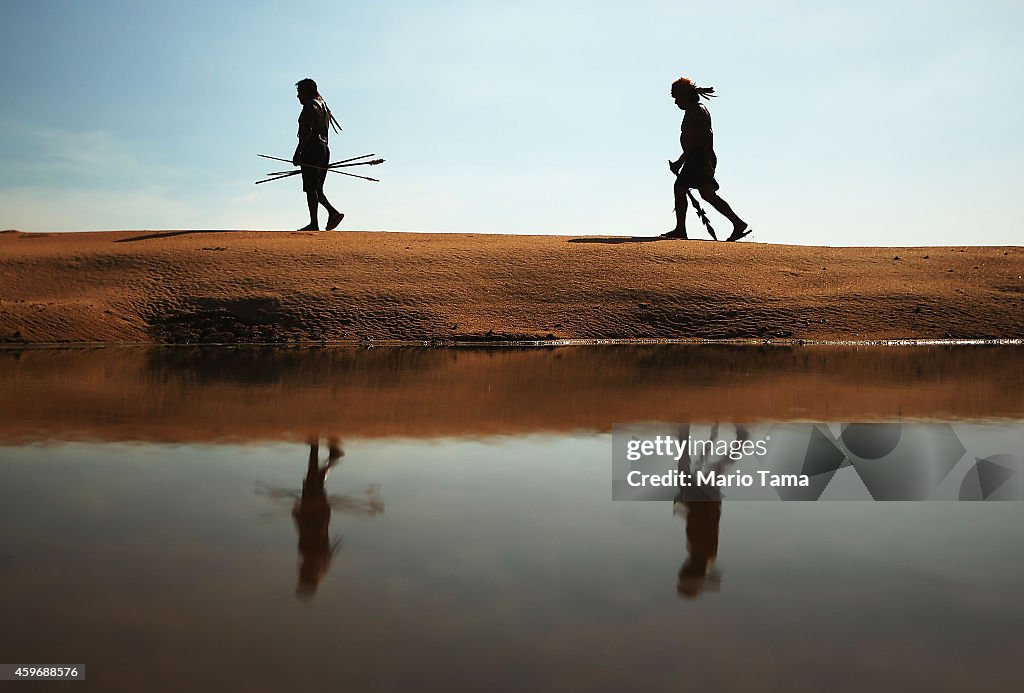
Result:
239,286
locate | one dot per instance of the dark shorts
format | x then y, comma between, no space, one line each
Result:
313,178
696,174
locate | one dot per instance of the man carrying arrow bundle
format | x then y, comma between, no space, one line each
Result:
313,154
696,167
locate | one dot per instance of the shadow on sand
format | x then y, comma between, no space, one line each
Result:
619,240
168,234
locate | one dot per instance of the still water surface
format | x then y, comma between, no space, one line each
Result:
464,537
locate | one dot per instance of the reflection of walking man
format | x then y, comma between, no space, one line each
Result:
702,518
703,511
312,513
695,168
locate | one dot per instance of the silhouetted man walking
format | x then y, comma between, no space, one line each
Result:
695,168
312,153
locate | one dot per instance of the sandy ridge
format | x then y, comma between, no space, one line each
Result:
166,287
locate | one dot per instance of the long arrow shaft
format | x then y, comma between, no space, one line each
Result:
295,173
345,161
333,167
289,161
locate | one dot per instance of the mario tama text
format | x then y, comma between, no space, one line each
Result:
817,461
690,450
710,477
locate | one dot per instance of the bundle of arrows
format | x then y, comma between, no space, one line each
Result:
333,168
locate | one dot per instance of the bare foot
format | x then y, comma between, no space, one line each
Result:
334,446
334,220
740,231
679,234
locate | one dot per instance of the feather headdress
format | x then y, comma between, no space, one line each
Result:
685,84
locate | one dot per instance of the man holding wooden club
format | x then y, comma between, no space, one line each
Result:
313,154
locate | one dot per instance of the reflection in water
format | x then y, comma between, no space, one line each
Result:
189,394
501,546
312,515
697,573
145,562
702,508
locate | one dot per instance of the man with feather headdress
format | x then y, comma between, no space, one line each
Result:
695,168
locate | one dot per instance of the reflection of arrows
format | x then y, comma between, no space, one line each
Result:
367,505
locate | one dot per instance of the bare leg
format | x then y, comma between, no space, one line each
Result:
312,202
679,190
314,454
335,453
322,199
712,198
334,217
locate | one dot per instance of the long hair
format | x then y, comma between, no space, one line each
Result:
308,86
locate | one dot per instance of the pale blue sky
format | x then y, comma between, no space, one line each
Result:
867,123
